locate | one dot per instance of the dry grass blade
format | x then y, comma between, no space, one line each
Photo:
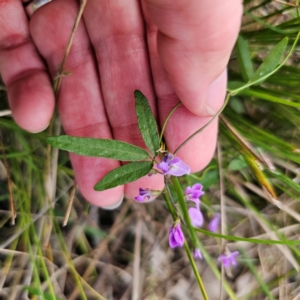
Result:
242,141
60,74
136,261
288,3
6,112
70,203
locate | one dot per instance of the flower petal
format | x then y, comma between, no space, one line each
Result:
196,217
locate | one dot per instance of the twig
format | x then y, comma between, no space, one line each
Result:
58,79
5,112
137,261
287,3
70,204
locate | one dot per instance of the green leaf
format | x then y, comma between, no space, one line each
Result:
244,59
37,292
237,164
98,147
271,61
146,121
124,174
233,85
237,105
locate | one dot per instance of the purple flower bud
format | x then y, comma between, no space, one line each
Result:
198,254
196,217
172,165
176,237
229,260
146,195
214,223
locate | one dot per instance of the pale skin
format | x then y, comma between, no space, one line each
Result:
169,50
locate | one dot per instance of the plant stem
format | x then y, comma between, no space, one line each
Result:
191,230
169,203
166,121
183,207
228,95
194,267
236,91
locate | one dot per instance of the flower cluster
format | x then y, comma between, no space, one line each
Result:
193,194
172,165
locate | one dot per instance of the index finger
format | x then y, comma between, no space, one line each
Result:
29,87
195,39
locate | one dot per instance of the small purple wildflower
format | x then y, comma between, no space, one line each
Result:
194,193
229,260
176,237
146,195
198,254
214,223
172,165
196,217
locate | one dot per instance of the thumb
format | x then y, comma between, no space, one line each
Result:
194,41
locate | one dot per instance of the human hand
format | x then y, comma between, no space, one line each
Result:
172,49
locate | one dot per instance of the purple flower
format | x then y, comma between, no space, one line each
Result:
214,223
172,165
176,237
146,195
229,260
196,217
194,193
198,254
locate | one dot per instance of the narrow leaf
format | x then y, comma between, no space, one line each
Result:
98,147
124,174
146,121
271,61
244,59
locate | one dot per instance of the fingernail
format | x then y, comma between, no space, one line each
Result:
40,130
115,205
216,94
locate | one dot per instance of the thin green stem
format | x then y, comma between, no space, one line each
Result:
166,121
249,240
169,203
208,123
184,209
194,267
191,232
236,91
267,25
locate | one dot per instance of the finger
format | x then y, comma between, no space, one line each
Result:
194,41
198,152
29,87
80,101
122,57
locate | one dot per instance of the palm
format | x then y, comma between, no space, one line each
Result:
117,49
